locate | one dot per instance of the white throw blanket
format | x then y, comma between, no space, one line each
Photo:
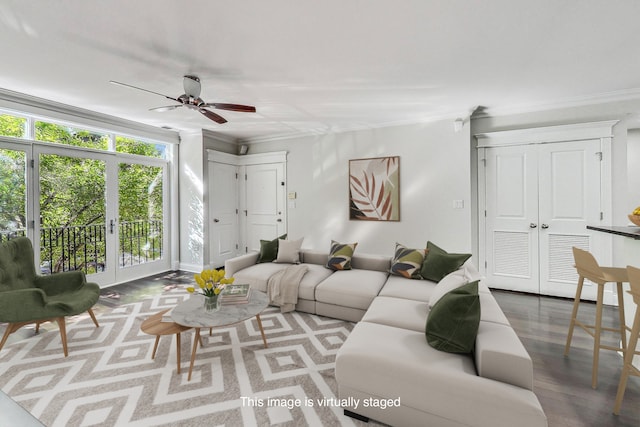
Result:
282,287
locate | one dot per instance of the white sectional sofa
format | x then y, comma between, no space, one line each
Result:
386,370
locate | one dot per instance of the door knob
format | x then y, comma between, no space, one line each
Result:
279,220
533,225
216,220
545,226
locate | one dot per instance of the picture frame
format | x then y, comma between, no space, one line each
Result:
374,189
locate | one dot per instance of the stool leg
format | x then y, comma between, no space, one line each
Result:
596,338
178,350
628,358
623,326
574,313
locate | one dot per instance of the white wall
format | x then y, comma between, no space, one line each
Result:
434,171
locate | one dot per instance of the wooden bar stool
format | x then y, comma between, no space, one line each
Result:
588,268
628,368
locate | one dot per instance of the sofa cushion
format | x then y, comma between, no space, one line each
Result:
371,262
398,312
452,323
351,288
258,275
340,255
407,262
399,287
315,274
269,249
438,262
289,251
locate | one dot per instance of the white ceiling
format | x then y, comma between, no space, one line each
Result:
321,66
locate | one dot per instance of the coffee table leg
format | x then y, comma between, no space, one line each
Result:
264,338
196,339
155,347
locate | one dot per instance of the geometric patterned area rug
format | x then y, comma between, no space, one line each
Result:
109,378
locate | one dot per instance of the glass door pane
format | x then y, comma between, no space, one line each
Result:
141,214
13,194
72,214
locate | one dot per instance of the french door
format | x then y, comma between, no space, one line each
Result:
103,213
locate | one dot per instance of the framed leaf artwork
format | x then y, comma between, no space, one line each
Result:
374,189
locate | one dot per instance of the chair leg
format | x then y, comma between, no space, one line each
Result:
628,359
63,334
7,332
596,337
574,314
93,317
623,326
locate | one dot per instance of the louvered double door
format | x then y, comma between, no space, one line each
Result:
539,198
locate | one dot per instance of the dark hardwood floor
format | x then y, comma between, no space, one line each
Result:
562,384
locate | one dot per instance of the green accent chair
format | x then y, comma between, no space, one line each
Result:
26,297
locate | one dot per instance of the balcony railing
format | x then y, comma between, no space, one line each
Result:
83,247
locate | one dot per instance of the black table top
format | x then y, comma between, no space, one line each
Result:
632,232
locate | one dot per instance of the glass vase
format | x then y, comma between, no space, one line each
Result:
211,304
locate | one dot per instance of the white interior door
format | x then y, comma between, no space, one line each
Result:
264,204
569,201
539,199
223,208
511,218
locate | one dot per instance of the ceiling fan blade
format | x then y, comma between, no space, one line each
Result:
165,108
139,88
232,107
212,116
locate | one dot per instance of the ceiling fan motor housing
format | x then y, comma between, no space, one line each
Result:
192,86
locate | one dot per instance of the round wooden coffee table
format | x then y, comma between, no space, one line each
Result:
191,314
154,325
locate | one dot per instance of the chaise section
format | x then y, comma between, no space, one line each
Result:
401,287
433,387
398,312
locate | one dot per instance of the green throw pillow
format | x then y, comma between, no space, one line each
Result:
269,249
438,263
452,323
340,255
407,262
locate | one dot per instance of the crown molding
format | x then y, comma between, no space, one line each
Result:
21,104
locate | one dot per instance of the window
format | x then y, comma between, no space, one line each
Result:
13,126
139,147
61,134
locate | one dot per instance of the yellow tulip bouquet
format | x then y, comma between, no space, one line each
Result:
211,282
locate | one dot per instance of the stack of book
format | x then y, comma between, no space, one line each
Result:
235,294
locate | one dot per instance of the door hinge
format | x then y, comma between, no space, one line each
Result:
32,224
236,246
601,216
485,265
236,175
485,213
246,249
245,176
32,163
599,154
236,214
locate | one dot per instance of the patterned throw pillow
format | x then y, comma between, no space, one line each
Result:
407,262
340,255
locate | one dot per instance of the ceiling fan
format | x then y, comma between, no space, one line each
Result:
191,99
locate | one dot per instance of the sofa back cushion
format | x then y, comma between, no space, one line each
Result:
371,262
